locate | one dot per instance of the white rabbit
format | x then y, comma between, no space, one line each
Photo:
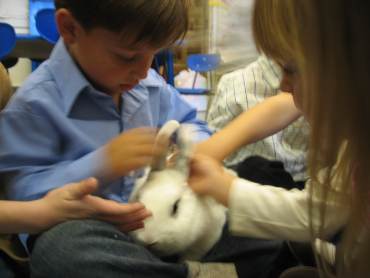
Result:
183,223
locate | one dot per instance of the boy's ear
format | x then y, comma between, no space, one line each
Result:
68,26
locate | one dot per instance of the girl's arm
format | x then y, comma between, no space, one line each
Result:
264,211
263,120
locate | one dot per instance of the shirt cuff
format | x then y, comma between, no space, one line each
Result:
237,203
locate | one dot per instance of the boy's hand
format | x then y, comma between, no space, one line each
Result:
208,177
73,201
129,151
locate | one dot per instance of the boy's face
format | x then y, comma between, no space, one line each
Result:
109,63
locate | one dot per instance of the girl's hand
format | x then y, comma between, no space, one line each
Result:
73,201
208,177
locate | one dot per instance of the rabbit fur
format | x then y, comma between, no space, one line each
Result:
183,223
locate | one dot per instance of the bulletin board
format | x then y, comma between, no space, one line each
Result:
231,32
15,13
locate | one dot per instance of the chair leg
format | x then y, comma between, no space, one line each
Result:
195,80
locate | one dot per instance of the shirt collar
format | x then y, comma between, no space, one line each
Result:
140,94
271,71
152,80
71,82
67,75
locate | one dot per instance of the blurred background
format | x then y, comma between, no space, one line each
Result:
217,27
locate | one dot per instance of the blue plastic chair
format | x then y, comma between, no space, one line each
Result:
165,58
200,63
7,39
34,7
46,25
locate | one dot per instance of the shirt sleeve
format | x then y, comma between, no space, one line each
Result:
227,103
183,112
270,212
30,157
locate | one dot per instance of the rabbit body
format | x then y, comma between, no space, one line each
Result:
183,223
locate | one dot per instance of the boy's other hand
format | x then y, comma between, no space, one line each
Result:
129,151
74,201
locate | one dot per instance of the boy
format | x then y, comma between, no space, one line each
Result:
76,117
242,90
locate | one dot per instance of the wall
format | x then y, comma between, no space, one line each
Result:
231,33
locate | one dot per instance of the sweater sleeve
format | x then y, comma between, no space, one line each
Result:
275,213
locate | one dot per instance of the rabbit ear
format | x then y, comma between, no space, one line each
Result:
139,183
185,144
164,137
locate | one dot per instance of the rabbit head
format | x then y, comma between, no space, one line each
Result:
183,223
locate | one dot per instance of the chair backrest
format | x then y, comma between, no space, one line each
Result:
200,63
7,39
203,62
46,25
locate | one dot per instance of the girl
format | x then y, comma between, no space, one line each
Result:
322,47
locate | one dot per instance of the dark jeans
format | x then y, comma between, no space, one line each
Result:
89,248
6,271
95,249
11,269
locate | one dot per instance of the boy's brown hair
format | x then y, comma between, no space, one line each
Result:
156,22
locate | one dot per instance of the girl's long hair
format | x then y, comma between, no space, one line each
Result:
329,40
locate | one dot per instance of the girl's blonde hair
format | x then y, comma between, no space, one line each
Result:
329,42
5,87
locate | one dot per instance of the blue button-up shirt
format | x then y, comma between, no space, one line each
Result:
52,131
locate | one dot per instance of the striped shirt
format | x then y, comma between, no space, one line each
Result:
242,89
